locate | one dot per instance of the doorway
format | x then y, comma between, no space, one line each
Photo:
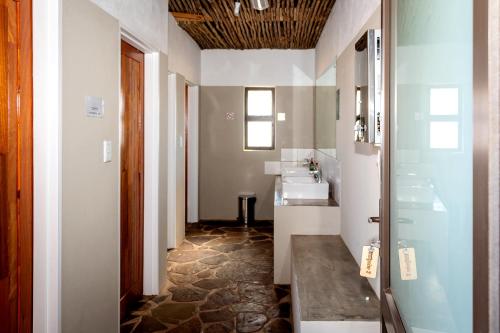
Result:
16,167
132,177
434,230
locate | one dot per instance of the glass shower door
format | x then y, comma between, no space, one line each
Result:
431,156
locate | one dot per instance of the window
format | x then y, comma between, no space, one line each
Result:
444,128
259,118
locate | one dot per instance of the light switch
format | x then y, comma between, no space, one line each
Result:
107,151
281,116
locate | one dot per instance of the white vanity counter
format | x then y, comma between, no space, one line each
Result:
299,217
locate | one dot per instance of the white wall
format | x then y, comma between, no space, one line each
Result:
145,25
359,179
88,300
150,22
90,226
257,67
344,23
155,171
193,153
145,19
184,59
163,174
184,55
176,158
225,73
47,127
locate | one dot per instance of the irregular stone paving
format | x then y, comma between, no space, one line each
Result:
220,280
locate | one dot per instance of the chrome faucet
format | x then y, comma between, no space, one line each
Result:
318,175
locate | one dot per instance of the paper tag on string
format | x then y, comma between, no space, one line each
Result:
369,262
408,264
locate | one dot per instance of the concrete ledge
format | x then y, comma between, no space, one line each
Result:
328,295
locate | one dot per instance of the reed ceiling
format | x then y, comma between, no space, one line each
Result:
286,24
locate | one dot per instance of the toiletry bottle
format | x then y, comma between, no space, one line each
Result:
311,164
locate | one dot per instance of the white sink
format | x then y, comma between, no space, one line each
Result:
304,187
295,172
300,180
415,194
414,190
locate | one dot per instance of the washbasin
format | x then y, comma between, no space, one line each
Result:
414,190
415,194
304,187
300,180
295,172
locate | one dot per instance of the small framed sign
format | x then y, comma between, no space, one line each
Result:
94,107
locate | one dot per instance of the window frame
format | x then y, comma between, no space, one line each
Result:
271,118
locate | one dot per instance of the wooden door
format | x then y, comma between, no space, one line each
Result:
132,176
15,167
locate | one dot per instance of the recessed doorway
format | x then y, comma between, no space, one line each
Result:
132,177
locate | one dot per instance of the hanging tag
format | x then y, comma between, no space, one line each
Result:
369,262
407,264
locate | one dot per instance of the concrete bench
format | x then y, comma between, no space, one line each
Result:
328,295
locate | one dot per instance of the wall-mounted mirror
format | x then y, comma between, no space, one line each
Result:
368,88
325,111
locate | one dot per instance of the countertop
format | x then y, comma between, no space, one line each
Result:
328,281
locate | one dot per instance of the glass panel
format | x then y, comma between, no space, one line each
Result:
260,134
431,164
260,102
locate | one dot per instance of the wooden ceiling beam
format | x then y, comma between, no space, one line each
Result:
190,18
285,24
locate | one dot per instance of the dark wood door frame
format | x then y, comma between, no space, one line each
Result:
16,164
391,320
480,169
132,177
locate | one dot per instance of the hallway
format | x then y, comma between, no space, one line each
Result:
219,280
360,140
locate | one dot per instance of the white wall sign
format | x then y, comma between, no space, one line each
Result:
94,106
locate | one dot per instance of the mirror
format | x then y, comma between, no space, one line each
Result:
368,88
325,111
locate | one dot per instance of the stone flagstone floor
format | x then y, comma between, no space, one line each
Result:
219,280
